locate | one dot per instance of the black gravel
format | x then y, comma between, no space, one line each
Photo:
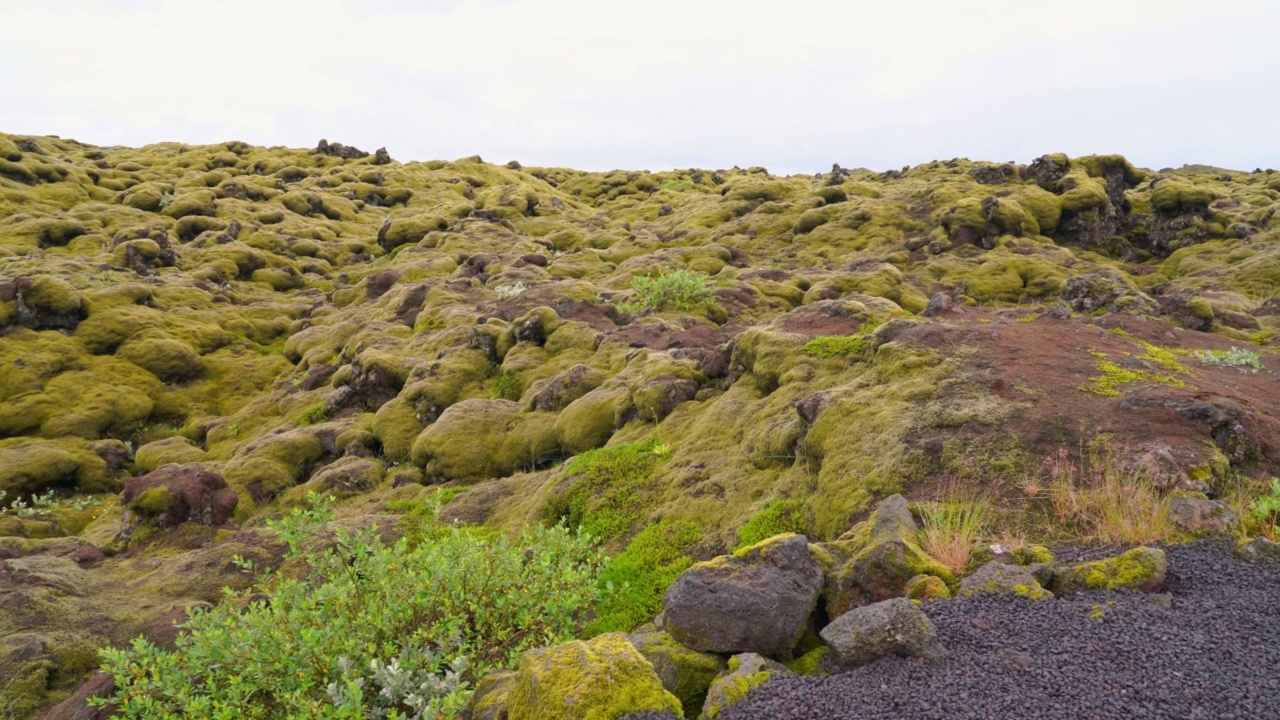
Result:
1215,653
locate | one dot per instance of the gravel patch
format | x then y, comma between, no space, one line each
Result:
1212,653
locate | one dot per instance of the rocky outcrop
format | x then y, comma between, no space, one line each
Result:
174,494
875,560
756,600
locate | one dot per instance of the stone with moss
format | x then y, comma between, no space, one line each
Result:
684,672
1141,568
168,359
925,588
876,559
895,626
491,696
461,444
745,672
1001,579
1258,549
603,678
757,600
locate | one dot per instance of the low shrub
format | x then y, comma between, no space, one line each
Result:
1266,512
366,629
1235,357
681,289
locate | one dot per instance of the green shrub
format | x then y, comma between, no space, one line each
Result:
507,387
1266,511
367,630
681,289
782,516
632,583
1235,357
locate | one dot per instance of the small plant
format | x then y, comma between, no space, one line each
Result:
1235,357
233,431
313,415
828,346
507,387
45,503
166,198
1266,512
661,449
681,289
951,530
506,292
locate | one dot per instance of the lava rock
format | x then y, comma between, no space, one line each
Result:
1202,516
894,626
997,578
745,672
756,600
1142,568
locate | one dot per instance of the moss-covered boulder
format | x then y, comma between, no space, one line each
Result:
875,560
1141,568
603,678
745,672
47,303
174,494
462,444
492,693
264,468
685,673
176,449
997,578
1258,550
757,600
168,359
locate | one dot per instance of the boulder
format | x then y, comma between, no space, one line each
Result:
894,626
489,701
1142,568
173,494
997,578
1202,516
1258,550
602,679
757,600
875,560
744,673
685,673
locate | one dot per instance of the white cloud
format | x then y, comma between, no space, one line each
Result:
792,86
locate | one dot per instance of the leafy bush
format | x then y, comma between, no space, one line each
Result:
1235,357
507,387
681,289
366,630
1266,511
632,583
782,516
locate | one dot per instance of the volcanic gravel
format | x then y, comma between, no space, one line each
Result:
1214,654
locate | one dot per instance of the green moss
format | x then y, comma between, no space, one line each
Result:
685,673
1112,377
926,587
635,580
606,490
460,444
781,516
1171,196
154,501
52,295
167,359
601,679
1135,568
313,414
175,449
396,426
810,662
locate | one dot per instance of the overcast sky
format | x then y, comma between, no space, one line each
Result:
792,85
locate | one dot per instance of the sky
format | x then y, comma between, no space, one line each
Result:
792,86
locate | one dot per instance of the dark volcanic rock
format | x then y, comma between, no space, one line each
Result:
756,601
894,627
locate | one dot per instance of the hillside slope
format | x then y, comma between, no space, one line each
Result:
295,321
